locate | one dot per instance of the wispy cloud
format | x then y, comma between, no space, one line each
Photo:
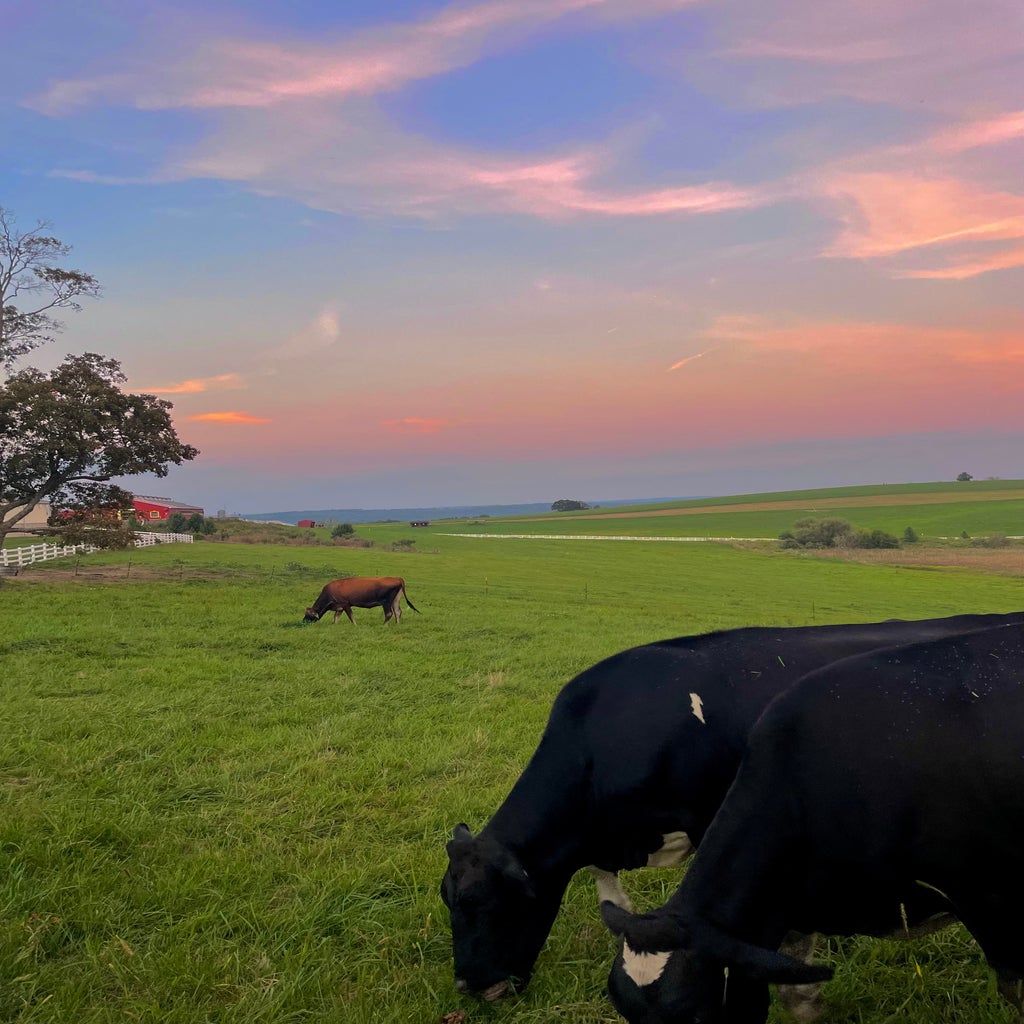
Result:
320,334
227,417
223,382
248,73
690,359
966,267
370,168
974,134
299,120
888,214
917,54
419,424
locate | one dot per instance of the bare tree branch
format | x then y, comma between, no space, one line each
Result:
29,272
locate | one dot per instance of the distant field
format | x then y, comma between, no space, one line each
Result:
973,490
209,812
933,510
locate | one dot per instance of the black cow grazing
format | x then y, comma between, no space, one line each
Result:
636,757
880,792
360,592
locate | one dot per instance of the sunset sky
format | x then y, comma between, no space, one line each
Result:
385,253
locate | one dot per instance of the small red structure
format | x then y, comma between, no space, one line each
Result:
306,523
152,509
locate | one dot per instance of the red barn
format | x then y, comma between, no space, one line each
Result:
306,522
151,509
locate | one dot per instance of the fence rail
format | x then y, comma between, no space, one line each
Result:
26,554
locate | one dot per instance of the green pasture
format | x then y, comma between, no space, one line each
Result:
973,490
976,518
212,813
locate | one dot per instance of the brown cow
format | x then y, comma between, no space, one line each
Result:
361,592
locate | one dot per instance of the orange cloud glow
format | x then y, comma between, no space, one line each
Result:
193,387
226,417
689,359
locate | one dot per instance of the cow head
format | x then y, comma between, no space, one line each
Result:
311,616
499,920
668,972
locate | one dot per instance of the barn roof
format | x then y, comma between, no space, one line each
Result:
168,502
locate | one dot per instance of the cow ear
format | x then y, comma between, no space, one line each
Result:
767,965
755,962
515,872
645,933
460,843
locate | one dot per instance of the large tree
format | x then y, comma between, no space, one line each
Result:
76,425
30,273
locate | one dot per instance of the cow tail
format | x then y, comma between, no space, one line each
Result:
408,602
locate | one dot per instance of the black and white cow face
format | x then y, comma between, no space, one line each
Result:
499,922
668,973
658,981
670,987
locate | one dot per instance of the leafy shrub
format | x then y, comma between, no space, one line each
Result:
910,536
994,540
817,533
834,533
343,530
874,539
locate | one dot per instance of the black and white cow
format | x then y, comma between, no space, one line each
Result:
636,757
879,793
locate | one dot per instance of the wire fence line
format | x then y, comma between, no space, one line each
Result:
26,554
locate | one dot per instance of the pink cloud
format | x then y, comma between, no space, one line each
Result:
919,54
239,73
1004,128
563,187
227,417
379,170
886,214
1006,260
224,381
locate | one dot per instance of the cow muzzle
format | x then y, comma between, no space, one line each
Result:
489,995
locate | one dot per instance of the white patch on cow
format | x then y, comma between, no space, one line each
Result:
643,968
675,848
697,707
610,888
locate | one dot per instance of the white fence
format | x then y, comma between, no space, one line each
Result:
26,554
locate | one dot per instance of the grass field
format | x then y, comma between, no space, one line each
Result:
211,813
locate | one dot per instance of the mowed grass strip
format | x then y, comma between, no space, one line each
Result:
213,813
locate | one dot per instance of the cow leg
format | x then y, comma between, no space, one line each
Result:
674,850
347,609
610,888
995,925
804,1003
1011,988
337,615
